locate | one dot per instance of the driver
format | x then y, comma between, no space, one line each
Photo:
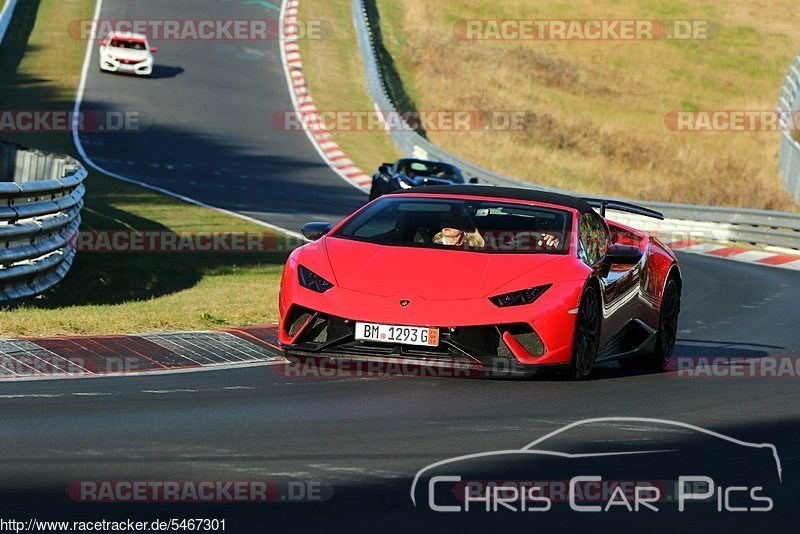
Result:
455,237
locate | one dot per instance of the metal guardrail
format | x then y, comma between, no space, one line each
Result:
41,196
789,101
746,226
6,12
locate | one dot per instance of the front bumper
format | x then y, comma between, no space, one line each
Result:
143,68
502,349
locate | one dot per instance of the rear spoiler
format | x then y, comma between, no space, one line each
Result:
604,204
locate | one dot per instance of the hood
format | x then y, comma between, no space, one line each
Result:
431,274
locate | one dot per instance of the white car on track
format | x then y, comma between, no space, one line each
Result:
126,52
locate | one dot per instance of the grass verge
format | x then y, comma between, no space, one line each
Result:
335,77
122,292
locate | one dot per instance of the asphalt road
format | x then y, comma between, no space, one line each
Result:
205,122
368,437
210,137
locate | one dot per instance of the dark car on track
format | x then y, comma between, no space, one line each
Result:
407,173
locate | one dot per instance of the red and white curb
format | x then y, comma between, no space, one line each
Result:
304,106
138,354
744,255
710,239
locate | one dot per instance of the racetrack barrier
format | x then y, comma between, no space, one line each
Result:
5,16
736,225
789,100
41,196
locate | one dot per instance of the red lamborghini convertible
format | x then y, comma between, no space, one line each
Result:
511,281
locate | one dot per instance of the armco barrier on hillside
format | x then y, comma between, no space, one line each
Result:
6,11
790,146
745,226
41,196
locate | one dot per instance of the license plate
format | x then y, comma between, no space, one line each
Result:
406,335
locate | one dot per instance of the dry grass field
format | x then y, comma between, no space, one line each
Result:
595,110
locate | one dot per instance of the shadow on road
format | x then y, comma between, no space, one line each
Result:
165,71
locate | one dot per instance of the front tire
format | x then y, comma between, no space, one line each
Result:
587,335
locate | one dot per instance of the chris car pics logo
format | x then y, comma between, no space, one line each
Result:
604,465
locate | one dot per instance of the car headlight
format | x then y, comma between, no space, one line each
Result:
311,280
519,298
404,185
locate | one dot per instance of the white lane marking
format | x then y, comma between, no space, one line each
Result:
166,391
156,372
31,396
106,394
76,139
364,471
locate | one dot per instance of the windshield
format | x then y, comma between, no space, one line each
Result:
130,45
431,169
457,224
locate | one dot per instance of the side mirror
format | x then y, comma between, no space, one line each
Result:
623,255
473,180
154,49
315,230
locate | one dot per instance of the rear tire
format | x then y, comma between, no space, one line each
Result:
667,331
587,335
